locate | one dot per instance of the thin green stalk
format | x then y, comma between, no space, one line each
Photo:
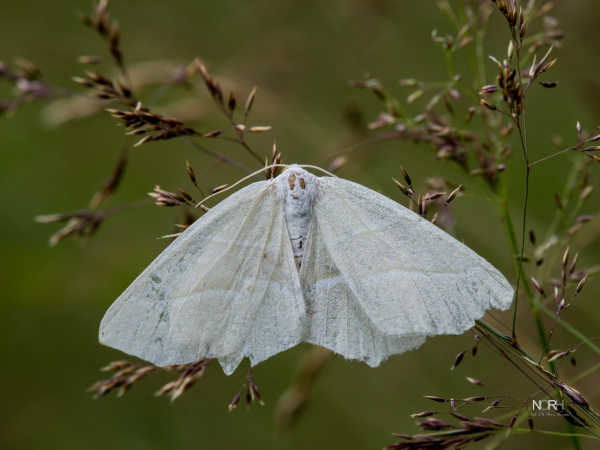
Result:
521,273
519,121
556,433
553,155
512,237
507,339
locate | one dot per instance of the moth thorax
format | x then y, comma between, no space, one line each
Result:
298,189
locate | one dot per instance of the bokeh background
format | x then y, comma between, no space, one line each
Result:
301,56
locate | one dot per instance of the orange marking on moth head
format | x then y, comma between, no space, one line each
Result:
302,183
291,181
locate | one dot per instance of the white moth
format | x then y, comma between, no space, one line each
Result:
302,258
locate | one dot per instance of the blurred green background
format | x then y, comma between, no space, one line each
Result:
301,56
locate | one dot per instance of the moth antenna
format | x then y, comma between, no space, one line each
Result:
317,168
259,171
169,236
241,180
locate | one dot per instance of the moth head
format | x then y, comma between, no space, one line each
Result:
298,184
